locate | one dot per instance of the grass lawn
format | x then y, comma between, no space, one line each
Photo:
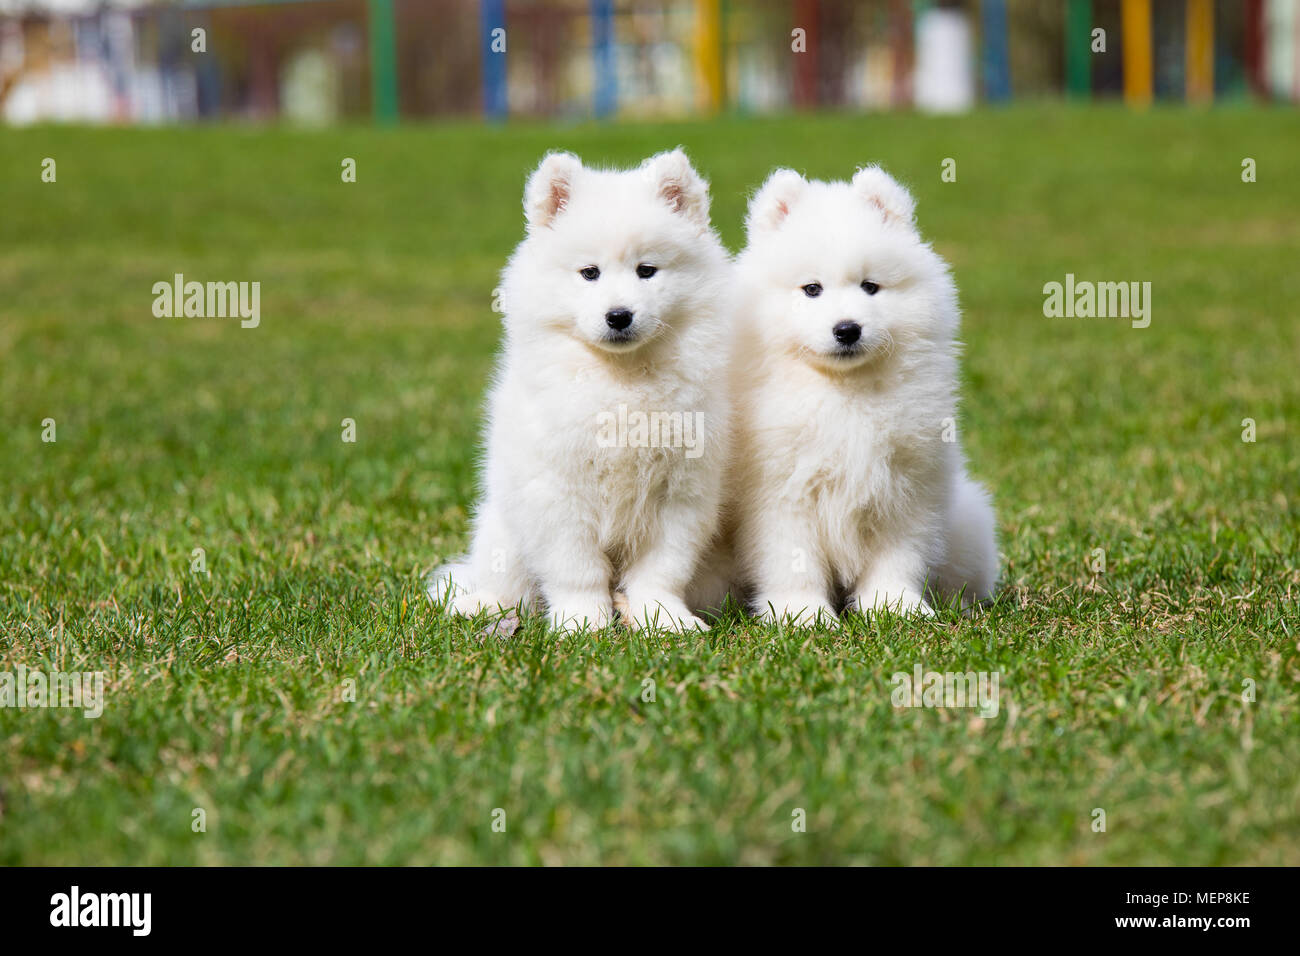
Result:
226,691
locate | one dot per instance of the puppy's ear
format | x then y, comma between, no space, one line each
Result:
885,193
676,182
549,188
774,200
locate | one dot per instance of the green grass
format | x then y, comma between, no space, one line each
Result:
1120,690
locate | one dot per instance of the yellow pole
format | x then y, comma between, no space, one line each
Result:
1136,19
1199,63
708,53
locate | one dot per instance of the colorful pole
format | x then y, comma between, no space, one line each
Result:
902,43
492,28
602,50
1135,16
806,17
1078,48
1254,17
1282,39
708,53
1295,53
993,31
383,62
1199,69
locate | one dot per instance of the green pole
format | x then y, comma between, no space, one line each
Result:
383,61
1078,48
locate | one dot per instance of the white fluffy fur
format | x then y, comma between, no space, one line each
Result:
562,519
845,492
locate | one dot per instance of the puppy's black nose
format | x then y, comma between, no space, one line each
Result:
846,333
618,319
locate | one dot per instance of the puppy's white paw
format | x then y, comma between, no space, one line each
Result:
573,613
801,610
662,613
900,600
476,602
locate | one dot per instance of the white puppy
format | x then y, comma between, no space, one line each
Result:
850,485
606,427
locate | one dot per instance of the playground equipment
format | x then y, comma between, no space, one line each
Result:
394,59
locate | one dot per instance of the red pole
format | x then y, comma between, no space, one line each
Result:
805,63
901,46
1254,16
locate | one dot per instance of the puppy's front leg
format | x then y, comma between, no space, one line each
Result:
656,582
894,580
790,575
575,579
495,579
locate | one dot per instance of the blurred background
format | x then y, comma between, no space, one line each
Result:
321,61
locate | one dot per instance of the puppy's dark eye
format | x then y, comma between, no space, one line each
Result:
591,273
644,271
812,290
869,287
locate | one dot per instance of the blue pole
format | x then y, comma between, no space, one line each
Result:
993,27
492,23
602,46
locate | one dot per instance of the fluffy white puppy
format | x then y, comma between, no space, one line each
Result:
850,485
606,427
